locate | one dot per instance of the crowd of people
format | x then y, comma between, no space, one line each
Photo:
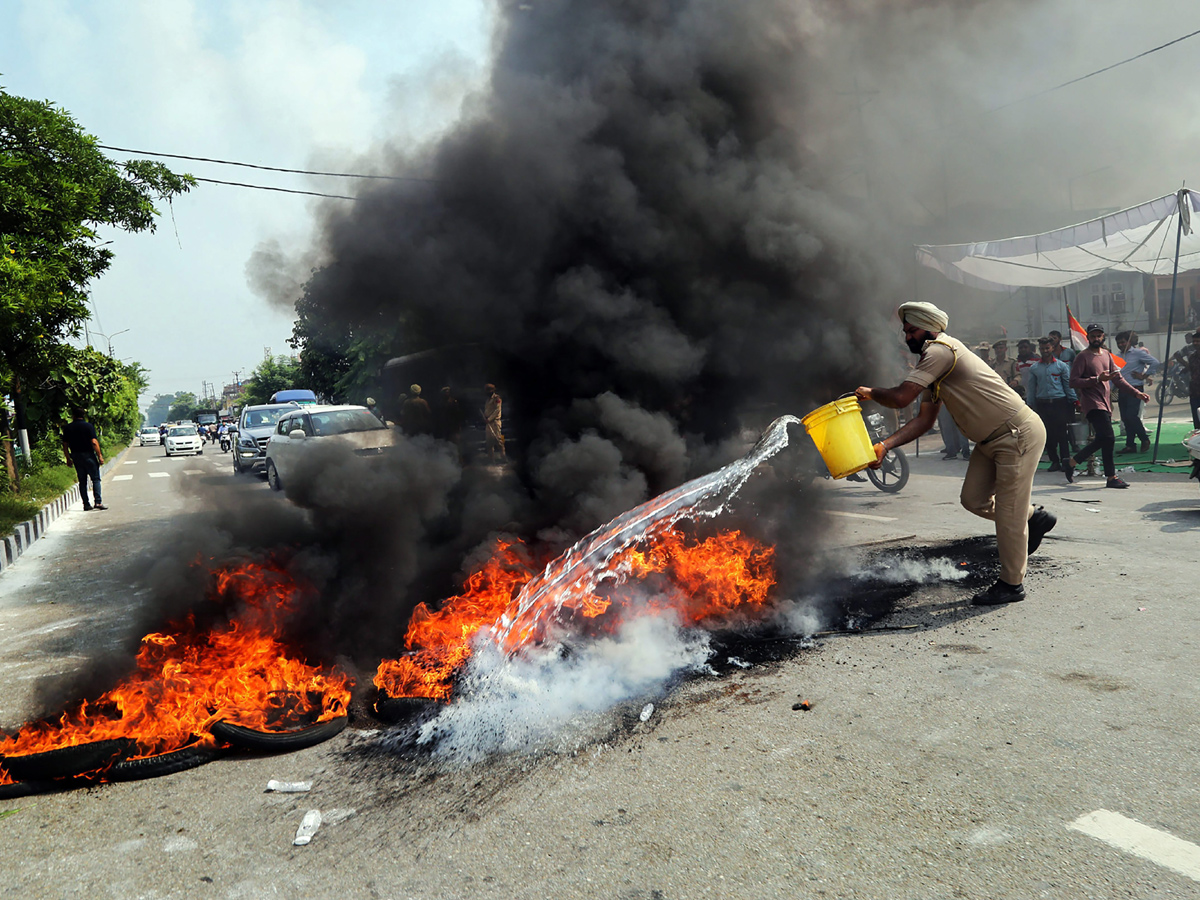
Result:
1063,386
445,418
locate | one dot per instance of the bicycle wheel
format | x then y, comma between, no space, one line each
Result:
892,474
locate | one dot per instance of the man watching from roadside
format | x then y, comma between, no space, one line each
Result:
1065,353
1003,366
81,447
1091,375
1139,363
1049,382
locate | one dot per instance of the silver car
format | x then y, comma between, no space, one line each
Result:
149,435
254,426
354,426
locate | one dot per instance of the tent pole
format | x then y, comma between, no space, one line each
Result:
1181,199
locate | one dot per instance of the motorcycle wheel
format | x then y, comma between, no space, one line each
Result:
1165,393
892,474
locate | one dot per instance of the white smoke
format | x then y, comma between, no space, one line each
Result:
553,700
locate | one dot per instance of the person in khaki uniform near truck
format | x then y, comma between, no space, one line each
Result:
1009,438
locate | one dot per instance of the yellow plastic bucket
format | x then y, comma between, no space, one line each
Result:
840,434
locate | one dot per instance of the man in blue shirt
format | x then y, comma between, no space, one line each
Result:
1047,382
1138,364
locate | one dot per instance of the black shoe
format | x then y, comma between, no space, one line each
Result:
1000,592
854,476
949,456
1039,524
1055,467
1115,482
1125,451
99,506
87,509
1145,446
966,454
1069,471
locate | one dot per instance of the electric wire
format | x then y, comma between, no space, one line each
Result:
263,187
246,165
1097,72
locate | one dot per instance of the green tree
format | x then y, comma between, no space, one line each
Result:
182,406
275,373
56,190
159,409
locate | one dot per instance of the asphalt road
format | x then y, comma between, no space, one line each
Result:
946,756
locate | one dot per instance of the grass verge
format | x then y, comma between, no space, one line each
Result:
39,488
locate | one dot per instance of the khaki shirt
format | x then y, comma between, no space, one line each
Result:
1006,369
979,400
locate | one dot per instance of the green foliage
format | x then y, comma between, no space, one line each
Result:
278,373
159,409
182,407
56,190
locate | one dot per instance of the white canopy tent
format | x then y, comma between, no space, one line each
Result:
1152,238
1138,239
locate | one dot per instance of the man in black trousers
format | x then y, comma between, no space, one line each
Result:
82,449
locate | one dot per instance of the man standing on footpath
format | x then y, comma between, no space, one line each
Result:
1091,374
82,450
1066,354
1050,385
1008,434
1139,363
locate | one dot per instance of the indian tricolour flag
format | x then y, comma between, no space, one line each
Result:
1079,338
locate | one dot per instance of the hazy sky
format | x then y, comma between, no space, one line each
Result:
290,83
309,84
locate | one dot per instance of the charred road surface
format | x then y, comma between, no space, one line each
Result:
915,747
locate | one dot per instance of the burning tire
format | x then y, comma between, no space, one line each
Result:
401,709
278,741
169,763
67,762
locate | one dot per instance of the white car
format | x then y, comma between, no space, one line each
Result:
149,436
184,439
354,426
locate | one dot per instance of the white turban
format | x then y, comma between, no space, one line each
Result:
924,315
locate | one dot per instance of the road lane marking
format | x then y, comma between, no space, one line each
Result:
122,478
160,474
131,462
154,460
193,471
1141,840
850,515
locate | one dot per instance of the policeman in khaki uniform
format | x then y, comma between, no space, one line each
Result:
1009,438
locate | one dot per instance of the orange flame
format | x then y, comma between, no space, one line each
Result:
186,679
700,580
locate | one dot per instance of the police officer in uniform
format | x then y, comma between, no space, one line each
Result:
1008,434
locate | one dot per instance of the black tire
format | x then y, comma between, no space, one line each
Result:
1165,389
237,466
164,764
67,762
394,710
273,476
25,788
278,741
892,475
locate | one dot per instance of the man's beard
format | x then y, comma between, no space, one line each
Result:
916,345
1095,344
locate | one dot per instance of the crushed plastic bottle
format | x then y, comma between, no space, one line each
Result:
308,827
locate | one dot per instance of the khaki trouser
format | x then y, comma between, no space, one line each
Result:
999,485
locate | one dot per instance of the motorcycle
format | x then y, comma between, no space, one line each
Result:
1192,443
226,442
892,474
1175,383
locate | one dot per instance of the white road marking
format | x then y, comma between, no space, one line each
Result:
1141,840
160,474
850,515
193,471
122,478
130,462
154,460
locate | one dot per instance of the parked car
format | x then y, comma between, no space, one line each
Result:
254,426
355,426
149,435
184,439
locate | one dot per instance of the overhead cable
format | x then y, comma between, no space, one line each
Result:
229,162
263,187
1097,72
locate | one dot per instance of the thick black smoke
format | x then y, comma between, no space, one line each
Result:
625,223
